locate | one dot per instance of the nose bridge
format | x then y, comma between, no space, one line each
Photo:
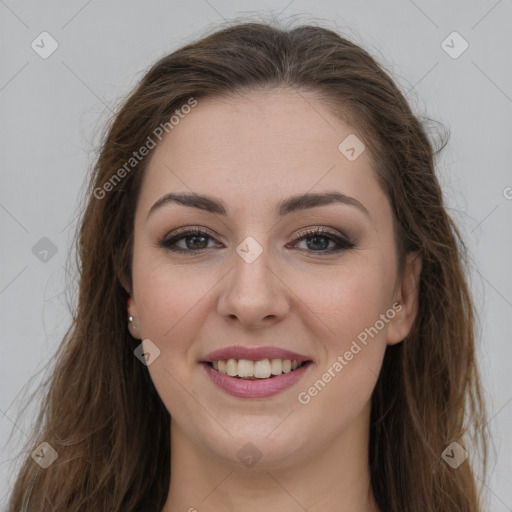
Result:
253,291
251,277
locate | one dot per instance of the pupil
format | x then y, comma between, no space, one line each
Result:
193,244
314,239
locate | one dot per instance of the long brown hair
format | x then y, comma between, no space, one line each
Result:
101,412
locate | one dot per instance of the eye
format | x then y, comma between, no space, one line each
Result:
197,236
318,239
196,240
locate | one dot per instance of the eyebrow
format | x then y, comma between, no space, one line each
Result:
292,204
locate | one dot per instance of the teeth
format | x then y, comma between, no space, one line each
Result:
262,369
276,367
245,368
232,367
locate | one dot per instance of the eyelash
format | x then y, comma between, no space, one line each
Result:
344,243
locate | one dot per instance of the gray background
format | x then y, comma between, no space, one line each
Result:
53,111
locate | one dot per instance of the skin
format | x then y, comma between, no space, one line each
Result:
253,151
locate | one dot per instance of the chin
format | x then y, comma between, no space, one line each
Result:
264,448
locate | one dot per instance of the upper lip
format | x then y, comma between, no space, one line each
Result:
254,354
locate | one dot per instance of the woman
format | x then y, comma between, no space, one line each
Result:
273,312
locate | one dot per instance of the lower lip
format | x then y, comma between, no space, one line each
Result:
257,388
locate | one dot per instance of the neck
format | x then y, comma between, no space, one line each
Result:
335,479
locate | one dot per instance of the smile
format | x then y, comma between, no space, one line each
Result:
251,386
263,369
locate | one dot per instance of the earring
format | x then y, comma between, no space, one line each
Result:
130,320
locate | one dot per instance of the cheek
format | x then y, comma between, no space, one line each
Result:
349,305
162,295
347,300
167,301
169,307
335,398
343,382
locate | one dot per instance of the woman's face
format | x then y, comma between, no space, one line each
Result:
256,278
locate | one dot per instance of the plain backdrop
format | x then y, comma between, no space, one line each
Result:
54,108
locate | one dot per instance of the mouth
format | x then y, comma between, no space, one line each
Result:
255,379
263,369
255,372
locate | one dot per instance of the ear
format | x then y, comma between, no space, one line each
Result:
130,306
133,326
406,293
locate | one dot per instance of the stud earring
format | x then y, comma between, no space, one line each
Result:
130,320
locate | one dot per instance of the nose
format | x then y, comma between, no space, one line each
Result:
254,294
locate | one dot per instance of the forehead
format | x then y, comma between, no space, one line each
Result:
257,148
289,124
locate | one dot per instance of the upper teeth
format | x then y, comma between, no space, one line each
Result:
259,369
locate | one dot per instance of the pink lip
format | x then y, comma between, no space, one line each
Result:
257,388
254,354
